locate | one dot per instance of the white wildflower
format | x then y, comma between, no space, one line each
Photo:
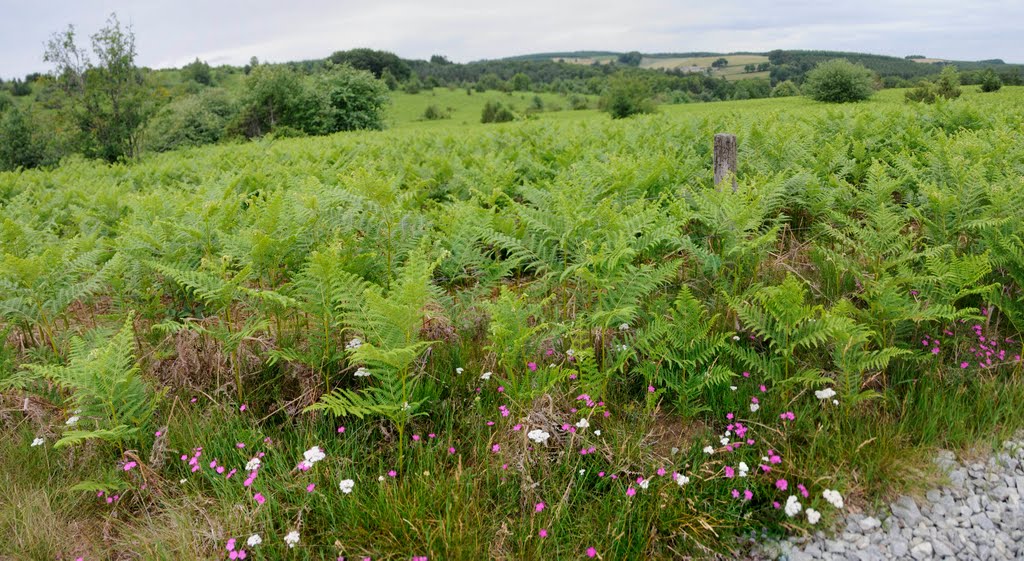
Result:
813,516
833,497
354,344
744,469
570,352
38,441
681,479
405,406
724,441
645,483
597,432
346,485
624,327
538,436
362,372
754,407
621,348
673,451
313,455
735,337
583,423
733,388
827,393
709,450
182,481
582,471
792,506
72,420
254,540
253,465
459,370
835,402
380,478
485,376
292,538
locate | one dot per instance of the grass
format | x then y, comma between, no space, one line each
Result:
406,110
454,495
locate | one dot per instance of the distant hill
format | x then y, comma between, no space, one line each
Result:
784,64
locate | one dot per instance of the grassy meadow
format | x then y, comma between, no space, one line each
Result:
546,339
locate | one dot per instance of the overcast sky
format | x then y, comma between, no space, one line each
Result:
174,33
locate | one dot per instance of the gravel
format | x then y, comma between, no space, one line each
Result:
979,515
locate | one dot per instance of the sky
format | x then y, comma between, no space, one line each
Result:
170,34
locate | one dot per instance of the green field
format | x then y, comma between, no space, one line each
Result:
383,319
406,110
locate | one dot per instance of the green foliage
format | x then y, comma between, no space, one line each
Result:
106,390
376,62
190,121
347,99
948,83
626,96
107,100
839,81
273,96
990,81
435,113
923,93
496,112
198,71
785,89
688,353
632,58
782,318
20,146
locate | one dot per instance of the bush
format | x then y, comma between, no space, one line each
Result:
346,99
990,81
839,81
6,101
785,89
948,84
435,113
578,102
19,143
496,112
190,121
626,96
923,93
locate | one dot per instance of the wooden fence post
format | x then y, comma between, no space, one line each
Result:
725,158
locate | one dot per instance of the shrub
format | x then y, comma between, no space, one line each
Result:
990,81
785,89
191,121
19,142
948,84
496,112
626,96
435,113
578,102
923,93
347,99
839,81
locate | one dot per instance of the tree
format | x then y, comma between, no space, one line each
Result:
273,97
389,79
349,99
19,144
521,82
839,81
199,72
748,68
374,61
108,101
990,81
439,59
948,83
720,63
627,95
632,58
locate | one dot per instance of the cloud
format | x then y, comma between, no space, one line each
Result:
232,31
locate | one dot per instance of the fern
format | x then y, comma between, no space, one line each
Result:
106,389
